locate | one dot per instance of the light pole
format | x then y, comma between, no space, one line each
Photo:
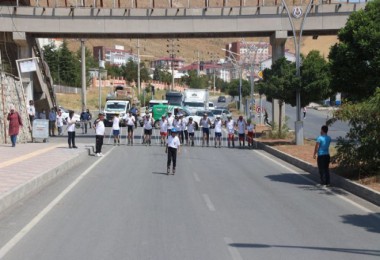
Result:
172,50
138,67
297,13
83,61
101,66
240,69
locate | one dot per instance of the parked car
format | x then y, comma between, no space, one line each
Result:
222,99
223,113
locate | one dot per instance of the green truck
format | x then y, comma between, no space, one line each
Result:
161,109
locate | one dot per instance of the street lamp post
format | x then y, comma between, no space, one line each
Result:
138,67
297,13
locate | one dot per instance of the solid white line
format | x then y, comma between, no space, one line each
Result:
208,202
233,251
21,234
196,177
313,182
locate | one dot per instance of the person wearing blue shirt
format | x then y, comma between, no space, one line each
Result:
52,120
322,150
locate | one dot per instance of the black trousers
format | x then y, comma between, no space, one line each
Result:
71,138
181,136
98,143
51,128
172,155
323,167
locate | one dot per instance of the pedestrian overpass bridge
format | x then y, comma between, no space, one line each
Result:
93,21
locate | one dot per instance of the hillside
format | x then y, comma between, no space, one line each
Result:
188,48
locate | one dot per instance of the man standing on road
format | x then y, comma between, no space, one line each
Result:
230,125
148,129
99,134
322,149
205,124
170,122
172,146
134,111
130,120
241,127
218,131
163,129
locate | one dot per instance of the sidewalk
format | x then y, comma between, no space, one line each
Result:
28,167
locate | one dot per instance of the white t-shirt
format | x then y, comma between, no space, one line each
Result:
241,126
218,126
59,120
184,124
31,110
170,122
178,124
163,126
99,127
231,126
148,124
130,120
173,142
190,127
115,124
250,127
204,122
70,125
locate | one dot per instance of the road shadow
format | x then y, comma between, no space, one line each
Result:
371,221
162,173
331,249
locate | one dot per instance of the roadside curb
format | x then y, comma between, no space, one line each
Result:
338,181
39,182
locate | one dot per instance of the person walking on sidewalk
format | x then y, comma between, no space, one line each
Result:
14,124
322,149
52,120
218,131
71,130
172,147
130,120
230,125
99,134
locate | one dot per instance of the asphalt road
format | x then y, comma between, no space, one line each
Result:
222,204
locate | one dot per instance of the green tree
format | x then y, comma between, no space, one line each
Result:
51,57
233,88
130,72
355,60
359,151
195,81
67,66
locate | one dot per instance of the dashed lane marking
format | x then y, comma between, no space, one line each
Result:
208,202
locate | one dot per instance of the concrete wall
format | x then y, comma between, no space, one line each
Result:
12,92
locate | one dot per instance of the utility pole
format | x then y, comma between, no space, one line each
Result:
100,84
84,83
138,67
172,50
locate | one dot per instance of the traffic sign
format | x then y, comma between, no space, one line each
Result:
258,109
260,74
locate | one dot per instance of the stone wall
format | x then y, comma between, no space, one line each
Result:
12,92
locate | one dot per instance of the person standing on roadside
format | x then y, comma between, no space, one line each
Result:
14,124
52,120
322,147
172,146
31,111
130,120
241,127
71,130
59,121
251,132
116,129
89,117
218,131
85,118
170,122
163,129
304,112
99,134
230,125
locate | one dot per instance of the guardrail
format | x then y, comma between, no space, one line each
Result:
151,4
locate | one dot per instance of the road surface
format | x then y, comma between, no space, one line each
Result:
222,204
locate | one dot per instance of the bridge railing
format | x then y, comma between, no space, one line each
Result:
151,4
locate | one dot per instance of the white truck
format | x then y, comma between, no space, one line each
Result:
113,107
196,99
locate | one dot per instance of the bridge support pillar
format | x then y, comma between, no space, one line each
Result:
278,40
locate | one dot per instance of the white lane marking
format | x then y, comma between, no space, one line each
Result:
313,182
208,202
196,177
233,251
21,234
